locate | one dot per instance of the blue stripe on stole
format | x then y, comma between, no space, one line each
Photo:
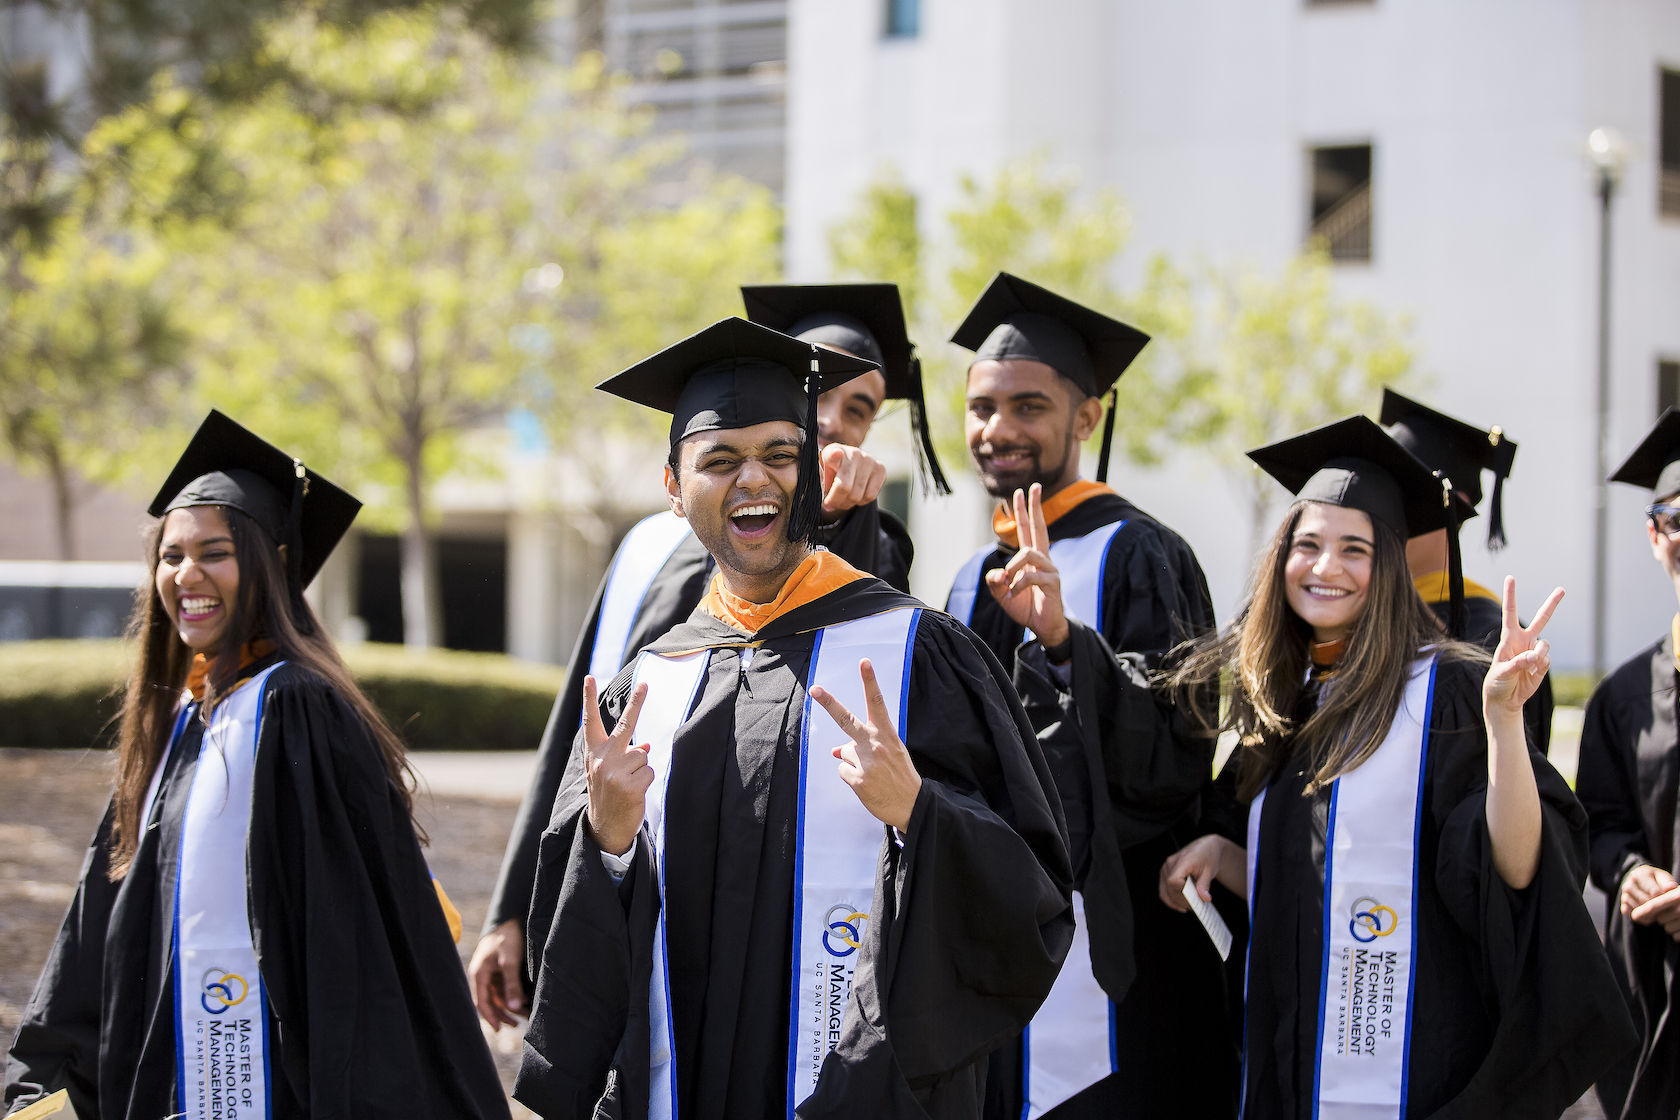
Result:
1417,829
904,690
262,985
175,926
1324,968
799,861
1026,1070
1113,1041
1102,576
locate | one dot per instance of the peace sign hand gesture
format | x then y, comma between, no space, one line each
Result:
875,763
1029,588
617,772
1521,659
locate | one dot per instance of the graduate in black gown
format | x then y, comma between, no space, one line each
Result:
1628,777
679,865
288,828
865,320
1461,452
1104,590
1419,947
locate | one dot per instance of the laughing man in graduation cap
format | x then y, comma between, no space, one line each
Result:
806,859
1462,452
661,570
1102,590
1630,755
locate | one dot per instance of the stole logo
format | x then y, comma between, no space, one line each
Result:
1371,920
222,990
844,928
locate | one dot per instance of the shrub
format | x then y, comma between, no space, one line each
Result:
66,693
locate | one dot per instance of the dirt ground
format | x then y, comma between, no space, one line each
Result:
51,801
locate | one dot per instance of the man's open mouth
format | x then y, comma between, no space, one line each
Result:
754,520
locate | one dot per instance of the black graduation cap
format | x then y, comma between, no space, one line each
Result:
1014,318
1354,463
862,319
735,374
1655,463
227,464
1458,450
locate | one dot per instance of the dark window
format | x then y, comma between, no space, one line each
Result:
1668,187
472,584
1668,386
379,588
904,18
1341,200
895,498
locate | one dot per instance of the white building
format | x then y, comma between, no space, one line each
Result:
1470,121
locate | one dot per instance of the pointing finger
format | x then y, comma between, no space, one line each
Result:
625,731
1041,529
593,732
1508,606
872,695
1544,614
1023,527
848,723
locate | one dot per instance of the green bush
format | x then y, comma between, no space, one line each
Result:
1572,689
65,693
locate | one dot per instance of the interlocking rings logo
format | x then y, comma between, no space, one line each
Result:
1371,920
222,990
844,925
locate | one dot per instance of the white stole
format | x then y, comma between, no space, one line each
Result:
837,848
1367,978
645,549
221,1009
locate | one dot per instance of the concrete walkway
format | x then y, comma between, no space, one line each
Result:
488,775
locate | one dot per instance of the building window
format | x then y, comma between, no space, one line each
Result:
1668,187
1668,386
1341,201
904,18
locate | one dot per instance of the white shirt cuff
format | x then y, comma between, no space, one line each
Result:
618,866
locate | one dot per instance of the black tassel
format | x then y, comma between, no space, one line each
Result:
1108,437
805,517
1457,623
1496,515
927,463
294,550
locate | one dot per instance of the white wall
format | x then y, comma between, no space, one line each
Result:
1201,111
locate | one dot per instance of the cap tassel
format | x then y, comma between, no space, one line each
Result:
1457,623
1108,437
927,463
294,550
1496,515
805,517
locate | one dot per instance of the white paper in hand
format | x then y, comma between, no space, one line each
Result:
1210,919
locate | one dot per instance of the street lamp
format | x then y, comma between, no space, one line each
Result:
1607,152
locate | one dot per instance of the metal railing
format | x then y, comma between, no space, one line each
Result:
1668,192
1346,226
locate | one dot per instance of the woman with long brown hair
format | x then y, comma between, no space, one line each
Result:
256,933
1413,867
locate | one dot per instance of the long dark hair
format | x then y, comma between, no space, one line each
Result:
263,612
1266,654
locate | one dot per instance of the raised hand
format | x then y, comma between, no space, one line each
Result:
1029,588
875,763
1521,659
851,477
617,771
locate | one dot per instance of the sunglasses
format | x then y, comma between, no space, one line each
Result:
1666,518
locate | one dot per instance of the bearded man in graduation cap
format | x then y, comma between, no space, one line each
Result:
662,569
1139,1022
806,858
1461,452
1630,756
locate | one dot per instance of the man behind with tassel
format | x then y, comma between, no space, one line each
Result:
1100,591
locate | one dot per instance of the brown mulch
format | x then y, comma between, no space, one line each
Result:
51,802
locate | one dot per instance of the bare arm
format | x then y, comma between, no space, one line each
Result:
1513,801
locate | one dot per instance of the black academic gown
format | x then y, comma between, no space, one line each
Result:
369,1010
1628,778
1484,621
1515,1012
972,913
1129,790
868,538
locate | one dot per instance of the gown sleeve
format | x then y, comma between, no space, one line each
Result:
57,1043
872,540
1608,785
374,1011
1160,596
1561,1022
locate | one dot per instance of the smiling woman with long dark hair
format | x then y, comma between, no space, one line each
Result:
1413,867
256,933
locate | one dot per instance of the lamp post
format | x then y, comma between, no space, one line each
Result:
1606,152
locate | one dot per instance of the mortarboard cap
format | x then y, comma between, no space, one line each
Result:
227,464
1014,318
1354,463
735,374
1458,450
862,319
1655,463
